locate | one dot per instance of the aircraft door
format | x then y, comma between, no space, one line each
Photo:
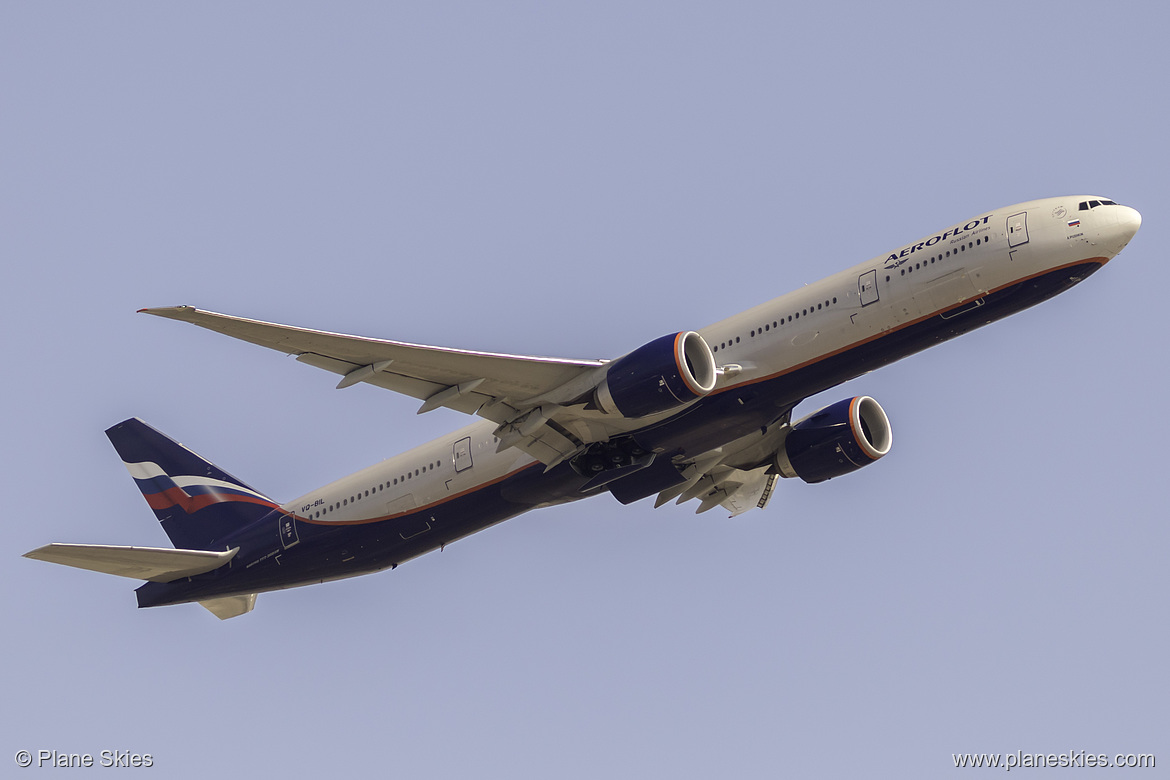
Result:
1017,227
867,287
288,530
461,452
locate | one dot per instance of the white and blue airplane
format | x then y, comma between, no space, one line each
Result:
700,415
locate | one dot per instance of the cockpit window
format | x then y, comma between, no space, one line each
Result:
1092,204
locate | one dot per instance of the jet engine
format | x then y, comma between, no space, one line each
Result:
659,376
836,440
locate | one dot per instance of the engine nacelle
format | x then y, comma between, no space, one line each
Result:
659,376
836,440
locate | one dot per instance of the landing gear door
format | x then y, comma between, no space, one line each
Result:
462,454
867,287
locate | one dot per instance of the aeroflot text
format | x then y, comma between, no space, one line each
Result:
935,239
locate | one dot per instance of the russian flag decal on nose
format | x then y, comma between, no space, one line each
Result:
1074,223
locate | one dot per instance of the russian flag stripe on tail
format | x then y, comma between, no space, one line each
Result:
197,503
189,493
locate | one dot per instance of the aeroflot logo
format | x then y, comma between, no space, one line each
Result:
895,260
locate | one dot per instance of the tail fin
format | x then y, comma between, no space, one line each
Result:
197,503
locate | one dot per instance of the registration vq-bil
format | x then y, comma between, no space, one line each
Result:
704,416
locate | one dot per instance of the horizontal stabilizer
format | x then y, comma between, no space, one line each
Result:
226,607
157,564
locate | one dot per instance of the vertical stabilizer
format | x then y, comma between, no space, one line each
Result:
197,503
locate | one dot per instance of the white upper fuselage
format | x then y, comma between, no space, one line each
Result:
919,280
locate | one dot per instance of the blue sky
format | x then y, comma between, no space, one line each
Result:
574,181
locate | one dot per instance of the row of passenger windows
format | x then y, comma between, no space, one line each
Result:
376,489
909,269
775,324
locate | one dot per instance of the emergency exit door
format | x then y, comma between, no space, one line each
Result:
461,452
867,287
1017,227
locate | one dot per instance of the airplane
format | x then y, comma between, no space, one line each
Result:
700,415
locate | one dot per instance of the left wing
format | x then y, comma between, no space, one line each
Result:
526,396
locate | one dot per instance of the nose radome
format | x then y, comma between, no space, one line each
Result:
1128,221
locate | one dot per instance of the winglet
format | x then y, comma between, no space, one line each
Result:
170,312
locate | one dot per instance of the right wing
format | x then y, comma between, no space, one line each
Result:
736,490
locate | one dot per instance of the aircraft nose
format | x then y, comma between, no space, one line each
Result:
1126,224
